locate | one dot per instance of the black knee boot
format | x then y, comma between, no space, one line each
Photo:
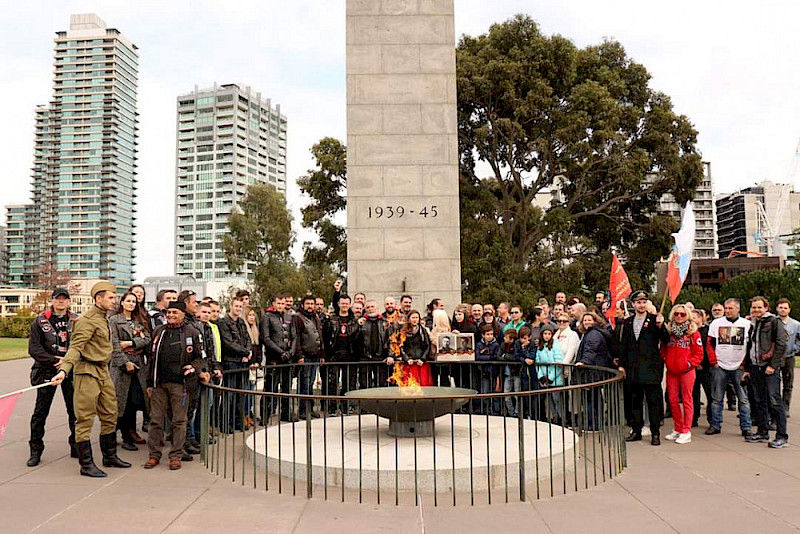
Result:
108,444
88,469
36,456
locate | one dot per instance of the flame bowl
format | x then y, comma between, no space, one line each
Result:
394,405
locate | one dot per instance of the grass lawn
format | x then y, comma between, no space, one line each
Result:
13,349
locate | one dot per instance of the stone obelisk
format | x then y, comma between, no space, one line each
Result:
402,151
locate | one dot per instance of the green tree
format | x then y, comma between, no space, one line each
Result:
577,150
327,186
261,237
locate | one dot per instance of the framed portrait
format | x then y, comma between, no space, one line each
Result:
446,343
456,348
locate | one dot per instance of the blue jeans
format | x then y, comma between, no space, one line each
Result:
720,378
767,392
305,382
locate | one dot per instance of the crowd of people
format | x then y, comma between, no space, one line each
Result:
119,359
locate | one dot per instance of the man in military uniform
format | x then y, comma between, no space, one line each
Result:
88,357
47,345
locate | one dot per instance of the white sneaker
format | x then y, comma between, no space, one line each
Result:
672,436
684,438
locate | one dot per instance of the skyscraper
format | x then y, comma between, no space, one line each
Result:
228,137
84,168
705,213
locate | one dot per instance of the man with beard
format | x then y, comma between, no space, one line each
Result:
277,342
342,344
390,311
406,303
766,346
308,350
174,358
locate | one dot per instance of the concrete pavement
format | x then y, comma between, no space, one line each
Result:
715,484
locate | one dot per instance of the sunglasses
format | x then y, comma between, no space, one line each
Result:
679,314
515,312
562,321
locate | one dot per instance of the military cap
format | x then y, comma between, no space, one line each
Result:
639,295
103,286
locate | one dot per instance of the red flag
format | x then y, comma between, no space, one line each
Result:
674,280
6,409
619,287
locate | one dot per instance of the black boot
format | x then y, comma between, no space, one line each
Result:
88,469
73,450
108,444
36,457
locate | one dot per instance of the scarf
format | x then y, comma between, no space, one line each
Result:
680,330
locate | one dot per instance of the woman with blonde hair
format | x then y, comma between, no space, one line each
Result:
682,354
441,372
251,320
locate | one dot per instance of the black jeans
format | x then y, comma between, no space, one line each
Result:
655,406
767,393
276,380
787,376
44,400
703,382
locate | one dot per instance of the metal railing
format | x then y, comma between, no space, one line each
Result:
523,436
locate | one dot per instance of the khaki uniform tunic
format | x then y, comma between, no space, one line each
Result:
88,357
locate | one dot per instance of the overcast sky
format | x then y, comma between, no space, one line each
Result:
731,67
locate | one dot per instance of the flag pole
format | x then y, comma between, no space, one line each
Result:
666,285
26,389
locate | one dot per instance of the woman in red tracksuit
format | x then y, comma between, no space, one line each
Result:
682,354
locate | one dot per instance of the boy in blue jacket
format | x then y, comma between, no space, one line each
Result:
525,352
511,372
488,350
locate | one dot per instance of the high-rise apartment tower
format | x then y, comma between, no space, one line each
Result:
82,218
228,138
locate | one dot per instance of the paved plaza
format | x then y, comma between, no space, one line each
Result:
716,484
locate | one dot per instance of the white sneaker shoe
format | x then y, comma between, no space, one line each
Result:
684,438
672,436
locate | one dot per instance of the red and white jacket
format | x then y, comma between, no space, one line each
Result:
682,354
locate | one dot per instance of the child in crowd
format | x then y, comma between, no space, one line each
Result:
511,373
549,374
525,352
488,350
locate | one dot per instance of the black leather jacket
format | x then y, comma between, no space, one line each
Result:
347,325
236,342
375,338
276,338
43,342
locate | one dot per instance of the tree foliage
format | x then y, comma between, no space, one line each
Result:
326,184
564,153
772,284
261,236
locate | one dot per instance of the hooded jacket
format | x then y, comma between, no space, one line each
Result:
766,344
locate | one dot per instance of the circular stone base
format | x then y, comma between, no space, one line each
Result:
381,458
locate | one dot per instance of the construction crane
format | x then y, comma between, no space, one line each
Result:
770,229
